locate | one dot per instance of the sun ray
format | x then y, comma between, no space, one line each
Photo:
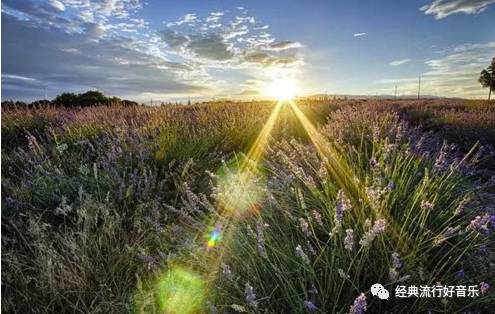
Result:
343,173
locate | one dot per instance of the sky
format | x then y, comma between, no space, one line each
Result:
147,50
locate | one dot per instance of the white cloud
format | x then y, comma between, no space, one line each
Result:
239,42
283,45
57,5
399,62
443,8
18,77
454,75
103,43
360,34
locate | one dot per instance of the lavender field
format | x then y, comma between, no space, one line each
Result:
248,207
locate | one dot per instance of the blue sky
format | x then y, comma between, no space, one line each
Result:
166,50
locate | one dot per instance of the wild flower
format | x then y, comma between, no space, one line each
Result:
481,224
311,249
396,262
359,305
349,239
250,296
390,186
310,306
63,209
303,224
460,273
426,205
377,229
260,238
342,274
343,204
441,161
250,231
484,287
301,254
451,231
226,271
317,217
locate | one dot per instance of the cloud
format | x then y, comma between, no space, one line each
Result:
240,41
443,8
189,18
37,57
57,5
283,45
399,62
360,34
210,46
75,45
453,75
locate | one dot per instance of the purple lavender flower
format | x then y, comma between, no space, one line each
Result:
349,239
359,305
426,205
317,217
146,259
304,226
460,273
484,287
378,228
343,204
396,262
450,231
300,253
250,296
390,186
227,271
481,223
310,306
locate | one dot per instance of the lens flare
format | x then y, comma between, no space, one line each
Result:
239,193
214,237
180,291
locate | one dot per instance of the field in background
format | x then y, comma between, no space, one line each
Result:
105,208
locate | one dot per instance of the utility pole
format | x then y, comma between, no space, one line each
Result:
395,94
419,87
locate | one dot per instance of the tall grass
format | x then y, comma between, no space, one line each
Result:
97,203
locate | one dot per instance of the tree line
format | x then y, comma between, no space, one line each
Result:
87,99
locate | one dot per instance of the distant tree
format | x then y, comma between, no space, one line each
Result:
487,78
66,100
92,98
126,102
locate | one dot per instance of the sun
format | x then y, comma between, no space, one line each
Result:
282,89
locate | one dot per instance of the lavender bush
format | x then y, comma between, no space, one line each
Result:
97,203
